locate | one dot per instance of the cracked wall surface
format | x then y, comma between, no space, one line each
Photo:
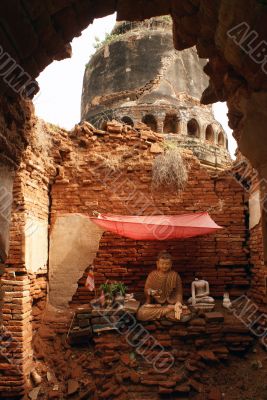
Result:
6,200
74,243
141,67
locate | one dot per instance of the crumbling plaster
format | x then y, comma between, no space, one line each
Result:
36,244
6,199
74,242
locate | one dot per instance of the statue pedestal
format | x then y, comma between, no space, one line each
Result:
202,307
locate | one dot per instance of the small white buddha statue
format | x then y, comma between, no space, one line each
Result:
226,300
201,299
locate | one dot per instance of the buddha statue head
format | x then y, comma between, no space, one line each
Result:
164,262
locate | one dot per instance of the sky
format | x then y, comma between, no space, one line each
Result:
59,99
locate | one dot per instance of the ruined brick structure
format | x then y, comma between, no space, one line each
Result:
108,369
126,188
109,171
136,76
249,179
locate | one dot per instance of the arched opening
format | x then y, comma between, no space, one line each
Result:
210,136
150,121
221,139
193,128
31,17
127,120
171,124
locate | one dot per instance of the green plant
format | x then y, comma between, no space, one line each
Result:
106,287
114,288
119,287
166,18
97,40
169,145
54,127
109,38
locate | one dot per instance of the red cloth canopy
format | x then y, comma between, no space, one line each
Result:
157,227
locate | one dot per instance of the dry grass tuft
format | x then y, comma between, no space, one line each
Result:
110,162
169,170
113,160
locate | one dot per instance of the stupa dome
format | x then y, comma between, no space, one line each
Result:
136,75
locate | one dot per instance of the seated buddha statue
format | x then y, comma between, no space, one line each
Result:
200,295
164,293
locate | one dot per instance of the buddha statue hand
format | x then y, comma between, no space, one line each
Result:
178,309
155,293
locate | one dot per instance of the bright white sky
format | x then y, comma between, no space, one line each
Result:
61,82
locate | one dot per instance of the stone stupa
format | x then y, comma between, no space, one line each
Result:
136,75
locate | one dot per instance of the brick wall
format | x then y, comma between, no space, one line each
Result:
219,258
249,178
89,170
112,174
24,291
259,273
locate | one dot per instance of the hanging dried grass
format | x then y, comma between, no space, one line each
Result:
169,170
